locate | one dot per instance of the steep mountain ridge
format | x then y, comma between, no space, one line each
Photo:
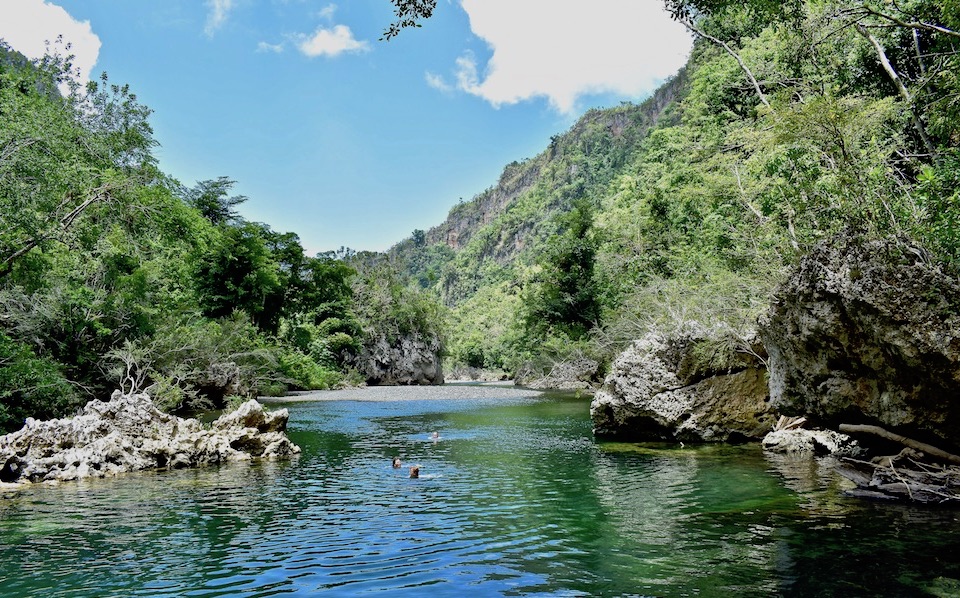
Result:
508,222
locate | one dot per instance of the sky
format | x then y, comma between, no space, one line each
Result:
336,136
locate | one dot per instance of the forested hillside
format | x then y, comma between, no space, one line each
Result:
114,275
791,123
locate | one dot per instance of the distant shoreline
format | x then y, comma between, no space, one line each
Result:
458,391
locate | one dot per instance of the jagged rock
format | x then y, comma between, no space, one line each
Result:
572,374
409,360
220,380
128,433
658,390
812,442
868,332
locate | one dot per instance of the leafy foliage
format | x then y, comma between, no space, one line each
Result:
30,387
791,123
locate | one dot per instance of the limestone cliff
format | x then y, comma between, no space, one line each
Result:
512,218
410,359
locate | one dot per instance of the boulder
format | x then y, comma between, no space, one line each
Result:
409,360
659,389
800,441
868,332
128,433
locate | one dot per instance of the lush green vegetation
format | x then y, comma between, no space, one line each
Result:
791,123
113,275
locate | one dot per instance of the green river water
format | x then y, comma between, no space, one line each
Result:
516,499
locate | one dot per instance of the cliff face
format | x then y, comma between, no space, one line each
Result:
467,218
413,359
868,332
512,219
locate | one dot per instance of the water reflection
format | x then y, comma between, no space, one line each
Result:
517,499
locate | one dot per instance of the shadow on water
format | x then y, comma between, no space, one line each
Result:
515,498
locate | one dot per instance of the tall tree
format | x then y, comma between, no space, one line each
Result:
565,297
212,197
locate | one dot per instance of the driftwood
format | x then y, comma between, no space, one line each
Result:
907,442
906,475
789,423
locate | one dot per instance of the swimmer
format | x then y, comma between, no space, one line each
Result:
415,471
435,436
396,463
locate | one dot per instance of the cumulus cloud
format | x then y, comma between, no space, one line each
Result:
330,42
219,11
564,49
28,24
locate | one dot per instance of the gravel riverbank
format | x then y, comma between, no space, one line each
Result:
410,393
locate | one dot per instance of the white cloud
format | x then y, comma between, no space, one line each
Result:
219,11
28,24
327,11
564,49
437,82
268,47
330,42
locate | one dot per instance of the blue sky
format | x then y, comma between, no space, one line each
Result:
341,138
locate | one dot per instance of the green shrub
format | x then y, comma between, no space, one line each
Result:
306,374
31,386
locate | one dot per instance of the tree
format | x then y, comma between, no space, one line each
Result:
419,238
212,198
565,297
238,273
409,13
61,155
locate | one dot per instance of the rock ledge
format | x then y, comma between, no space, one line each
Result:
128,433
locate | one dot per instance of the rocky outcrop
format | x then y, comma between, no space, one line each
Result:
128,433
659,389
413,359
580,373
868,332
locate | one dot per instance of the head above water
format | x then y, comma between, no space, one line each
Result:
415,471
396,462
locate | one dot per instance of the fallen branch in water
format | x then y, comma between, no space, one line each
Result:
903,476
907,442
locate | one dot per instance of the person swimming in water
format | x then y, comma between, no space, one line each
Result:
415,471
435,436
396,463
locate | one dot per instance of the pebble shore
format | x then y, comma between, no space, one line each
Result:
410,393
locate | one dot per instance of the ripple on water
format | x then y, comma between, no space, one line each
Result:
523,502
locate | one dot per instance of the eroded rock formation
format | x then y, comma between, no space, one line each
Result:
128,433
868,332
659,389
412,359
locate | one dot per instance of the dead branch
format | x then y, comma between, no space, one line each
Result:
907,442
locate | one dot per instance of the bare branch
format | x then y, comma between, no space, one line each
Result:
743,65
898,83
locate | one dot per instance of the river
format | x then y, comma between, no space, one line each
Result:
515,499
